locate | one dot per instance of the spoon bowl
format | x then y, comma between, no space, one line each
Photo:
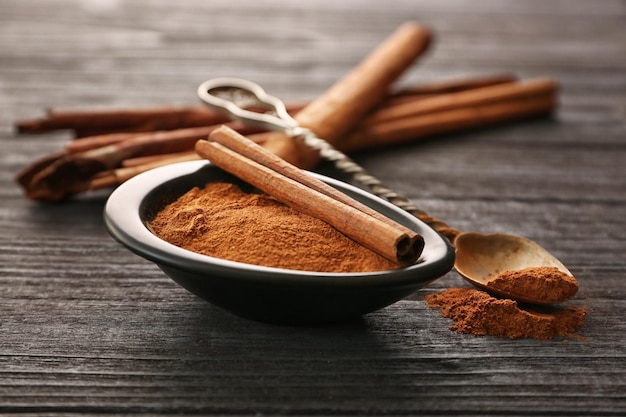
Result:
481,257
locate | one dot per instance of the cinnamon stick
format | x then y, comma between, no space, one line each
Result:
25,176
114,177
91,142
469,98
71,172
411,128
394,242
334,113
337,110
97,141
143,160
453,85
139,119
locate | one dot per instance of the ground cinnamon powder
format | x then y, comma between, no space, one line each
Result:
223,221
545,285
478,313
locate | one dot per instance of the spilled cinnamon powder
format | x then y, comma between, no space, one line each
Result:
478,313
223,221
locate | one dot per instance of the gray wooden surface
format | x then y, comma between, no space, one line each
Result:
87,327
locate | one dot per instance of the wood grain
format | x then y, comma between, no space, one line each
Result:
86,327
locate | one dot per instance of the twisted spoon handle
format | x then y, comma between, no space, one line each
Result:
232,95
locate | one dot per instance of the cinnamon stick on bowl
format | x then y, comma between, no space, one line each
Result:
299,190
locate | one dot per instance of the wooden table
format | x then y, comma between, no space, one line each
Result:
87,327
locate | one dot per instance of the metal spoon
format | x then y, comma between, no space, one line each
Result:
479,257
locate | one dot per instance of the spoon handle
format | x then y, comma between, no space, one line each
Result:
232,95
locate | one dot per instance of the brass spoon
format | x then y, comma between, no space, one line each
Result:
479,257
482,257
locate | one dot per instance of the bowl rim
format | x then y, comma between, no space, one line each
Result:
122,216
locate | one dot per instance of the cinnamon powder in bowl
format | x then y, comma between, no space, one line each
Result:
223,221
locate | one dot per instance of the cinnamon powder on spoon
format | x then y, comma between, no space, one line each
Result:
543,284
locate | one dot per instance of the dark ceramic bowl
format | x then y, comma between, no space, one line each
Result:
262,293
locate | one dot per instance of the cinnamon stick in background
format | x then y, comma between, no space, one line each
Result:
473,111
70,173
469,98
336,112
453,85
124,120
142,160
91,142
115,177
389,239
25,176
408,109
97,141
361,98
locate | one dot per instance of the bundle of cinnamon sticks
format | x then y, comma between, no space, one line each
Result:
257,166
113,146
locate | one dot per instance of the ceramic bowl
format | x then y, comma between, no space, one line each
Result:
257,292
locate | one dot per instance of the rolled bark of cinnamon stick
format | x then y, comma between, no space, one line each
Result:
470,98
403,130
389,239
234,141
143,160
454,85
138,119
114,177
72,172
83,144
97,141
336,111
